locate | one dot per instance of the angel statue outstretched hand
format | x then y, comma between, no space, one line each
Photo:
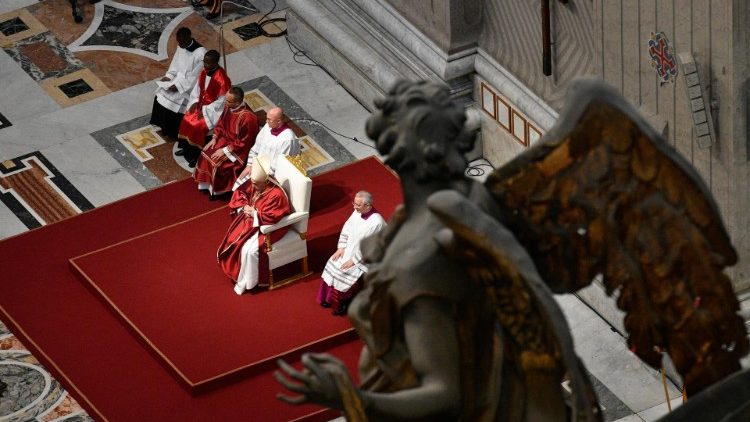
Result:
457,312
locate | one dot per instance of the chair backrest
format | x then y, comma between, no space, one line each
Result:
297,186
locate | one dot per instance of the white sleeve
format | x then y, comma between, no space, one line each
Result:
229,154
255,149
345,233
357,254
212,112
194,95
188,77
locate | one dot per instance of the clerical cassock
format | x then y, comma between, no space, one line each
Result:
170,106
234,135
208,95
242,254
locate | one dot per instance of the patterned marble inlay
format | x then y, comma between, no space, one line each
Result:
145,155
313,156
147,145
31,394
37,192
18,25
13,26
4,122
248,31
139,141
138,30
43,56
258,101
24,385
75,88
241,32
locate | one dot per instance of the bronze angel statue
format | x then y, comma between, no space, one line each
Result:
457,312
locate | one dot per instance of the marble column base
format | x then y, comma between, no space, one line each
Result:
367,46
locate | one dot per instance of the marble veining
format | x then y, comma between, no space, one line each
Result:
24,383
249,31
24,175
75,88
13,26
108,139
53,51
137,30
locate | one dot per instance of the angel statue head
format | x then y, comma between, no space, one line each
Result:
421,130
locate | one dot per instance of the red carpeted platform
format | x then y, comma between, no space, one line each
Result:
177,300
88,348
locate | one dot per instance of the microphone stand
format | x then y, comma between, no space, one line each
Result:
221,27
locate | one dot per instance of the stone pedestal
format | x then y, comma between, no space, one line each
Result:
367,45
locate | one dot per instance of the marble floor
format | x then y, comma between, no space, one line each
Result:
74,135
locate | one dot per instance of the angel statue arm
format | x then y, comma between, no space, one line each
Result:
325,380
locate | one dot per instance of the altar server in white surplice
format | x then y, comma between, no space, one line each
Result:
343,269
173,93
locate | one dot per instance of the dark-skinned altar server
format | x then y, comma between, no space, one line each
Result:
223,158
340,276
257,202
173,94
205,106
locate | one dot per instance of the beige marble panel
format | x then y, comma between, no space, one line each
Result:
313,155
34,27
51,86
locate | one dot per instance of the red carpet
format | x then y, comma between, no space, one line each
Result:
178,301
84,345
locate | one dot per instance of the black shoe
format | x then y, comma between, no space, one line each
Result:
341,309
179,152
212,16
191,164
197,4
325,305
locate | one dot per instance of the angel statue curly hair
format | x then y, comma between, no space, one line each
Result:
419,128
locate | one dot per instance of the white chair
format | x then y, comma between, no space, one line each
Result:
293,246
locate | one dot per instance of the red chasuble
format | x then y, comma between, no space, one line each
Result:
235,130
193,128
272,205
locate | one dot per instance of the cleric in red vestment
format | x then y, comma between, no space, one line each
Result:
257,202
223,158
206,105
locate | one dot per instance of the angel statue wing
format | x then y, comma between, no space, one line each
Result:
537,349
603,194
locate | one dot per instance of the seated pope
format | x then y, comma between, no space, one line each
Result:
260,201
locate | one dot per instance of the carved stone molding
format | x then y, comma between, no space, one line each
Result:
367,45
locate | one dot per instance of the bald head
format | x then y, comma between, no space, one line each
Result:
275,117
